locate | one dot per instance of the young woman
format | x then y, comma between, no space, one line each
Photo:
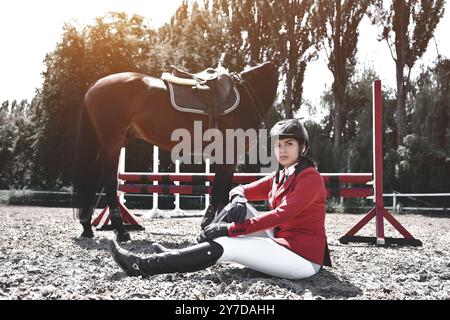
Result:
297,199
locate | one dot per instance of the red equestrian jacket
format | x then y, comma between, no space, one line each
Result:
297,213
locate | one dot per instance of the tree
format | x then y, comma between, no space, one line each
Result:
407,27
252,28
337,25
195,38
17,130
116,43
320,146
295,44
357,137
280,31
424,159
7,135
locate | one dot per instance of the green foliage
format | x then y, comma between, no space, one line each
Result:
357,132
422,162
320,149
17,130
431,102
281,31
422,168
296,44
424,158
194,38
251,26
357,144
116,43
407,27
336,24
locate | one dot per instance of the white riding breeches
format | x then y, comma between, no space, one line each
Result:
258,252
267,256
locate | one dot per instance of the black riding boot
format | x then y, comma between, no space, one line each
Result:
190,259
117,224
158,248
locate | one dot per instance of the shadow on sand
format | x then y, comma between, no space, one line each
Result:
324,285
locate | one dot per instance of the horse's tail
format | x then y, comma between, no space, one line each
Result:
86,168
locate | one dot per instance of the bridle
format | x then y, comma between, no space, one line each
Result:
237,77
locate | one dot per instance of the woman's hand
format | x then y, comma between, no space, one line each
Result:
238,209
212,231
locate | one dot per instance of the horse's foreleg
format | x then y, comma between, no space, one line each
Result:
221,187
85,217
110,165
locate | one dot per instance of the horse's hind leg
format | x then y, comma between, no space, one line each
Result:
110,166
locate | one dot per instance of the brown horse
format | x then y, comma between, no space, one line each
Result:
126,105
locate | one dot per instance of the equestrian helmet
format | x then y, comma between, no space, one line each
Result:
291,128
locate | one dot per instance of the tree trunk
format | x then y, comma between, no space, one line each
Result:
401,40
400,111
338,87
338,127
288,106
291,61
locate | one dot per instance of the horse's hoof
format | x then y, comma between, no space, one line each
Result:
87,230
123,237
87,234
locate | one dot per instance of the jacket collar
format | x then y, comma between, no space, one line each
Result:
290,170
281,187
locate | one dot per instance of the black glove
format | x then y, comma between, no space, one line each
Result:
212,231
238,209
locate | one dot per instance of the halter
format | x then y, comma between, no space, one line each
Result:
251,93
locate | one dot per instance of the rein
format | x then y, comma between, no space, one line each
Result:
251,93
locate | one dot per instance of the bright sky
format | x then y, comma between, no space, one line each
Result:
372,53
29,29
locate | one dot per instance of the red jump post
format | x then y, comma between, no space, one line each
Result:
379,212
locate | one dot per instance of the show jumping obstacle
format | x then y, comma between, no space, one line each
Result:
379,212
346,185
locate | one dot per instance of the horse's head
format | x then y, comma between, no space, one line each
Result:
261,83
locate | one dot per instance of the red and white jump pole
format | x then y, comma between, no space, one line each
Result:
379,212
155,212
207,196
177,211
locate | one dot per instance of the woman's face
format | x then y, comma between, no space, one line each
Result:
287,151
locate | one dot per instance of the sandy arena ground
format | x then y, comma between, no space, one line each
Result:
42,257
